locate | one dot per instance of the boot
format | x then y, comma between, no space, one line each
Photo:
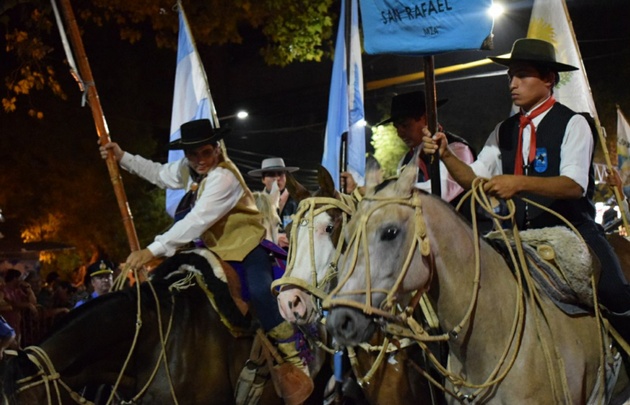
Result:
294,378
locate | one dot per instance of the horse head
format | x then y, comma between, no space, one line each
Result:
315,247
386,237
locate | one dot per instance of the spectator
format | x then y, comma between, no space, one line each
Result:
20,296
101,279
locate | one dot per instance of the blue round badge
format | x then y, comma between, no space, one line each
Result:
541,162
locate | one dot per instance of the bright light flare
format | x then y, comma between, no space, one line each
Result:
496,10
241,115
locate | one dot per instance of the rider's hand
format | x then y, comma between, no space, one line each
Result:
139,258
348,184
113,146
504,186
434,143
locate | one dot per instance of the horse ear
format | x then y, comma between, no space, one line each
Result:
275,194
326,182
297,191
373,172
407,179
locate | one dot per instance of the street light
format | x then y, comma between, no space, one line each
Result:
241,115
496,10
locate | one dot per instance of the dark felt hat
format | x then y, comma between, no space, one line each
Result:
408,105
100,267
197,133
534,51
274,164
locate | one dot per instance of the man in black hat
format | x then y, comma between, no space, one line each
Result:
218,212
544,153
408,115
100,274
274,170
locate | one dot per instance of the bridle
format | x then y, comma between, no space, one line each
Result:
359,239
308,210
399,322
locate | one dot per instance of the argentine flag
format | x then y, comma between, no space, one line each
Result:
345,103
191,97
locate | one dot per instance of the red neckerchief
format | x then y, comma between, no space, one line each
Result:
525,120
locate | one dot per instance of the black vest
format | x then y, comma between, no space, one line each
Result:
549,135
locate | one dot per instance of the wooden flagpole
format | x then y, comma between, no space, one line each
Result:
101,126
432,122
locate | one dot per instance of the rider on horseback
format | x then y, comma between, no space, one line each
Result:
218,212
544,153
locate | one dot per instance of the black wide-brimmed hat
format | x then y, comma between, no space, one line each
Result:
408,105
534,51
197,133
274,164
100,267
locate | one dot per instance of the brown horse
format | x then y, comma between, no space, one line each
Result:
129,335
311,273
507,342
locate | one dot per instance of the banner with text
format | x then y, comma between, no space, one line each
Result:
424,27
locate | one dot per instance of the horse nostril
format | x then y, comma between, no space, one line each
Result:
296,301
347,324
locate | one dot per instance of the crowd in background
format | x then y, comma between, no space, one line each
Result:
31,305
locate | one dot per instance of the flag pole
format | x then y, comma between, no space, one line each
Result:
343,155
101,126
432,121
600,131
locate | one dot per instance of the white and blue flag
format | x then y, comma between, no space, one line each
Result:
191,97
345,103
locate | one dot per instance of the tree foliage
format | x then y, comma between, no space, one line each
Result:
294,30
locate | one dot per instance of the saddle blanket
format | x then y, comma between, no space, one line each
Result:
559,261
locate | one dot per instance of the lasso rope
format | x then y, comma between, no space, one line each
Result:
412,329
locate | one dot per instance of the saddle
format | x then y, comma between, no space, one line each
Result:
224,283
559,262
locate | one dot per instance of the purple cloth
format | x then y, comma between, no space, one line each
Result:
6,331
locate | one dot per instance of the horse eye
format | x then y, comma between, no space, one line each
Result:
389,234
329,228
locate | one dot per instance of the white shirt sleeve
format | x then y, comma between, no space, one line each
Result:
221,192
488,163
576,151
165,176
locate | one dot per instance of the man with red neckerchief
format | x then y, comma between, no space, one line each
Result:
544,153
